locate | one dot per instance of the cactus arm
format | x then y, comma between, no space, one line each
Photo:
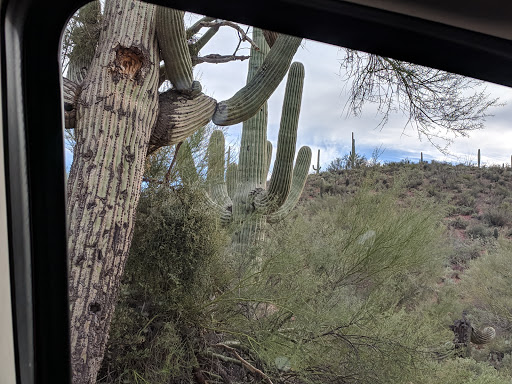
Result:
171,36
179,117
185,165
482,337
217,189
270,37
248,100
283,166
196,27
187,171
269,156
231,179
300,174
252,155
317,168
224,213
203,40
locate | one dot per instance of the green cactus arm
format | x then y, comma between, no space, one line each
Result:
202,41
248,100
252,155
171,36
215,176
483,336
300,174
224,213
232,179
196,27
270,37
179,117
283,167
269,157
187,171
317,168
185,165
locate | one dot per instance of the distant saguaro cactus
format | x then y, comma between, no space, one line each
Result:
465,333
317,169
478,157
352,157
242,196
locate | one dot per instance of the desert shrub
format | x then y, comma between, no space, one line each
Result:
174,266
497,216
491,174
454,210
342,291
486,284
415,180
460,371
479,231
462,251
459,223
465,199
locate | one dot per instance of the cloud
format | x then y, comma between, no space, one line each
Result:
324,125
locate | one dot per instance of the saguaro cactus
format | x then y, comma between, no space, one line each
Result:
119,117
243,197
317,169
478,157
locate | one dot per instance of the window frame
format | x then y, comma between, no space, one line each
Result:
32,126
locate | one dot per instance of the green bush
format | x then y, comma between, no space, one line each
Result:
343,292
175,265
497,216
479,231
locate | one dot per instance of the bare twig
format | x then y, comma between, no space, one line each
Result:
197,26
243,34
240,41
246,364
168,174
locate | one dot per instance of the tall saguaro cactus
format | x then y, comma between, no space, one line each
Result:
243,197
119,117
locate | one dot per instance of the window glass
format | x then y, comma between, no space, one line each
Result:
245,205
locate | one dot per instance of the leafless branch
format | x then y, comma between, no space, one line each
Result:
173,161
243,34
438,104
217,59
246,364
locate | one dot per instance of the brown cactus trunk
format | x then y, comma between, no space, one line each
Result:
116,111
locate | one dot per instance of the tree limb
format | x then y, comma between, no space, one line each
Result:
217,59
232,25
246,364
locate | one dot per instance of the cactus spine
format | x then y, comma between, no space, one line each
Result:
317,169
478,157
243,195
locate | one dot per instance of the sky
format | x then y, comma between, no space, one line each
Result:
324,123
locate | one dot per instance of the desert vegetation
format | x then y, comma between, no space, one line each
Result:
359,284
363,273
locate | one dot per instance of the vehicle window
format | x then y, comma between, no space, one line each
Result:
249,206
